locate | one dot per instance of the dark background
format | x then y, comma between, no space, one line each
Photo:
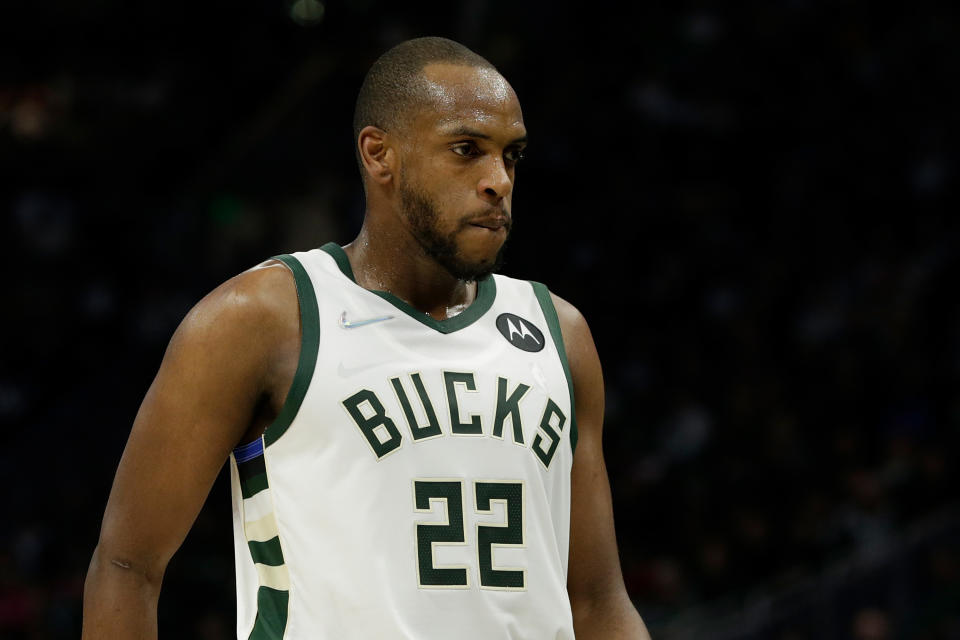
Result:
751,206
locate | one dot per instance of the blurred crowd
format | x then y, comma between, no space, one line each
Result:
751,208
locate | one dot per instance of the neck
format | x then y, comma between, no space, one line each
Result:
399,265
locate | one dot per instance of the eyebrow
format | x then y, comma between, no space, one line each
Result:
473,133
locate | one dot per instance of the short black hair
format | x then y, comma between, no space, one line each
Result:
394,84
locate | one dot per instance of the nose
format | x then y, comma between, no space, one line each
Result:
496,183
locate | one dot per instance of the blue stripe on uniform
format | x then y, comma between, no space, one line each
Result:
249,451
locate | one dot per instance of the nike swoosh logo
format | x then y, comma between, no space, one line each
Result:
355,324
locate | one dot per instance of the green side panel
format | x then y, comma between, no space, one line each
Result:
486,293
254,485
267,552
550,313
271,614
309,345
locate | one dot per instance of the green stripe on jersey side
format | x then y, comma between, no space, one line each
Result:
272,604
254,485
271,619
268,553
553,322
486,293
252,467
309,345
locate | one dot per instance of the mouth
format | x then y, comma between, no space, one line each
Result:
492,223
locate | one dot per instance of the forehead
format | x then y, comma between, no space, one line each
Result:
469,96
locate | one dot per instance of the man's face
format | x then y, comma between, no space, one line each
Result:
457,172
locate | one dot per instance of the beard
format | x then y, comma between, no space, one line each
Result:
423,216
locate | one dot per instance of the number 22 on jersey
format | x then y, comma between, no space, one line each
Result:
453,532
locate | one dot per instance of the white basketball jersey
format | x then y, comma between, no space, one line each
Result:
416,483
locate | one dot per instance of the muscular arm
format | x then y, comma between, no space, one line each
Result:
601,606
226,370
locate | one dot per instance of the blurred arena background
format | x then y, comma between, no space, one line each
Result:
750,205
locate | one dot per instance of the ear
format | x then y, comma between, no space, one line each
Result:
376,154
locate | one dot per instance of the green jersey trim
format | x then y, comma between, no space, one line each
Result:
486,293
271,623
553,322
263,542
309,346
250,487
268,552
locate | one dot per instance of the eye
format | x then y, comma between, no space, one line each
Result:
465,149
513,156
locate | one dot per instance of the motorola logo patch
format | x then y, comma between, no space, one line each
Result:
521,333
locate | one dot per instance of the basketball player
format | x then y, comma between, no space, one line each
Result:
414,443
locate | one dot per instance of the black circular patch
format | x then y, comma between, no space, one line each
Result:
519,332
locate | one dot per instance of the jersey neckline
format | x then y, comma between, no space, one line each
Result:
486,292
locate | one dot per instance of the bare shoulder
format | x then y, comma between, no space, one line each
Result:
241,340
585,370
261,299
568,314
577,339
